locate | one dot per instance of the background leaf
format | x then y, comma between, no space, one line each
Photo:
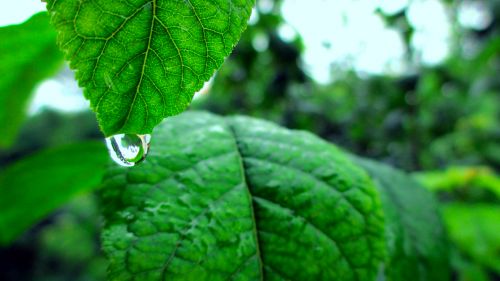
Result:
34,186
466,183
241,199
416,238
474,230
141,61
28,54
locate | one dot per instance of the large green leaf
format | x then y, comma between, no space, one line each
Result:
34,186
241,199
28,54
416,239
142,60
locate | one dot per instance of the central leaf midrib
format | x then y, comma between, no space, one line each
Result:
316,228
143,70
250,196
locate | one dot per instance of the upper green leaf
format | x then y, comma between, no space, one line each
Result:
241,199
34,186
142,60
28,54
416,239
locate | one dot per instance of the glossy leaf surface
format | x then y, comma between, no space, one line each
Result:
141,61
241,199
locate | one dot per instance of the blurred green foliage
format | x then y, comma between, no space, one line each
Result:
468,184
434,117
28,54
470,199
66,171
63,247
441,121
474,229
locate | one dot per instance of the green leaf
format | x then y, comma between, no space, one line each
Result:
142,60
241,199
28,54
416,238
474,229
34,186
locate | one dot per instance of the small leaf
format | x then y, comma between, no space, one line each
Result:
28,54
241,199
141,61
416,238
34,186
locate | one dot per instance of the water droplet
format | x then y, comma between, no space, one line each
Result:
127,149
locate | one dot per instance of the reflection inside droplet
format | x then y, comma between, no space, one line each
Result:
128,149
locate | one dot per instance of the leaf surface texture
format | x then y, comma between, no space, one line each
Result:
241,199
140,61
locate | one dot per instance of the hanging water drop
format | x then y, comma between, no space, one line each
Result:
128,149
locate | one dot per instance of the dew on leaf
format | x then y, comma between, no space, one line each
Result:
128,149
